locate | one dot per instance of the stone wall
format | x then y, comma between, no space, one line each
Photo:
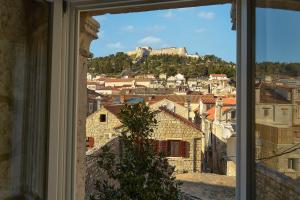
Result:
102,132
170,128
88,32
273,185
93,172
179,109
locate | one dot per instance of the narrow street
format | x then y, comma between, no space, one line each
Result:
206,186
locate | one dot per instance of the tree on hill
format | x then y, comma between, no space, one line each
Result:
168,64
140,173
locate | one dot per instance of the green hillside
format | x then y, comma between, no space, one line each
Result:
169,64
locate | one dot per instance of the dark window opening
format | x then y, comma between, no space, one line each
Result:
102,118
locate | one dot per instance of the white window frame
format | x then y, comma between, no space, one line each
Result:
64,86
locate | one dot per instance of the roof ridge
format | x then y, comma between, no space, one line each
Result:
184,120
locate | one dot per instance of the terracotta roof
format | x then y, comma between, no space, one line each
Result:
114,109
180,118
105,88
127,79
110,80
208,100
229,101
211,112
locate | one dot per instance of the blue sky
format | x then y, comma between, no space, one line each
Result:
206,30
277,35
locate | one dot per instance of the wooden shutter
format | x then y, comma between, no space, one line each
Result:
183,149
155,145
163,147
90,142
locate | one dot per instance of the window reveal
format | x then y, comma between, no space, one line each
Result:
102,118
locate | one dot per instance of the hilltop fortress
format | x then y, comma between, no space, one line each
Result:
148,51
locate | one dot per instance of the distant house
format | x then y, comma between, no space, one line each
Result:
277,114
175,136
218,124
93,101
100,125
162,76
218,77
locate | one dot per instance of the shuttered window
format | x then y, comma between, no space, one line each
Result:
174,148
163,147
90,142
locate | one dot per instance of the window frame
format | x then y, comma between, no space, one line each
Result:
64,88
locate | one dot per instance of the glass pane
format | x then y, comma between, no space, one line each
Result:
277,100
174,63
23,98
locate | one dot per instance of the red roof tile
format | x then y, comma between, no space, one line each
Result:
114,109
229,101
211,112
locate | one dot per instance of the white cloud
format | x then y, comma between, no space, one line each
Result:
150,40
200,30
206,15
129,28
100,34
169,14
117,45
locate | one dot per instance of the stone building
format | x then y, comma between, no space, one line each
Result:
218,124
101,124
177,137
277,126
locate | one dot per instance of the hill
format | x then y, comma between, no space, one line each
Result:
157,64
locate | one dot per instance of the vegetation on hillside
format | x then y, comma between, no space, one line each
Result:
276,68
169,64
140,173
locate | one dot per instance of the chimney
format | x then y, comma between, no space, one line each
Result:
218,110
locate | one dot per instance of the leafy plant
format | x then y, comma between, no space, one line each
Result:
140,173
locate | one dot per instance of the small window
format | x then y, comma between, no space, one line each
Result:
102,118
292,163
266,112
284,112
233,114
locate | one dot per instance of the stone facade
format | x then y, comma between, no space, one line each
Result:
271,140
175,107
102,132
274,185
171,127
88,32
